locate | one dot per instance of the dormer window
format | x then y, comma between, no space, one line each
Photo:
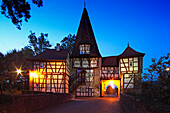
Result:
84,49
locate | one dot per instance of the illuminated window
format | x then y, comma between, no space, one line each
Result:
84,49
130,63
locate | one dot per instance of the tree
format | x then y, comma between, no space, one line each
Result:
14,60
158,70
17,10
27,51
158,78
2,71
68,42
38,44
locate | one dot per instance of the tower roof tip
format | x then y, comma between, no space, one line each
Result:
128,44
84,4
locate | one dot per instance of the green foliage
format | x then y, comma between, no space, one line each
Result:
17,10
38,44
68,42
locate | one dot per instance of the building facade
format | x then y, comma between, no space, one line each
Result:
89,73
50,71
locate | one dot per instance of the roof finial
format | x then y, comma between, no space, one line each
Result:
128,44
84,3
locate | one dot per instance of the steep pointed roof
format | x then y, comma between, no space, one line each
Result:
85,35
129,52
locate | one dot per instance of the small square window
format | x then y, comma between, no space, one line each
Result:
41,65
84,49
109,71
130,63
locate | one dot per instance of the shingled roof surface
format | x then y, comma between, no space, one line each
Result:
110,61
129,52
85,35
51,54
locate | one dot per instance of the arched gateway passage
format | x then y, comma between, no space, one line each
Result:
110,87
111,90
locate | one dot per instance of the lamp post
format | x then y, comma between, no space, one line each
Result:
19,72
168,70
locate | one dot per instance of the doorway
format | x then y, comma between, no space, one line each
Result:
110,88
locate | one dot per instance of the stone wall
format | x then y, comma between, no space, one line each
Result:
33,102
132,104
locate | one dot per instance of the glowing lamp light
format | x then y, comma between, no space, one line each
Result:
18,71
111,82
167,69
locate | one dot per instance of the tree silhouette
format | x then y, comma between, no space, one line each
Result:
38,44
156,80
68,42
17,10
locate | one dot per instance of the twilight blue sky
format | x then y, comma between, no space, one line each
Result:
145,24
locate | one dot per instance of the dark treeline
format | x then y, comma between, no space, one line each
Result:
17,59
155,82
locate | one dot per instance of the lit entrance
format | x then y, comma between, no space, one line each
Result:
110,88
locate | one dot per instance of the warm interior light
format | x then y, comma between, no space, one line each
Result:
33,74
112,83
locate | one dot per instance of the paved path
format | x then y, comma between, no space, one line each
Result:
87,105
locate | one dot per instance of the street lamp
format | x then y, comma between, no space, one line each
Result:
19,71
168,69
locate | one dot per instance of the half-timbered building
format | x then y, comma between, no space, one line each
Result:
85,56
50,71
84,72
91,74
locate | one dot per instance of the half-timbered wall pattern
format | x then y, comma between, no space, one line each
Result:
85,62
89,75
129,81
108,73
130,68
52,77
92,68
129,65
85,91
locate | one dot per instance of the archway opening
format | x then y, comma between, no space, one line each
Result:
110,88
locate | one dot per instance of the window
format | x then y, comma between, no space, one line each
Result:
130,63
130,75
41,65
109,71
84,49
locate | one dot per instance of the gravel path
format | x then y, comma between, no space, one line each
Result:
87,105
